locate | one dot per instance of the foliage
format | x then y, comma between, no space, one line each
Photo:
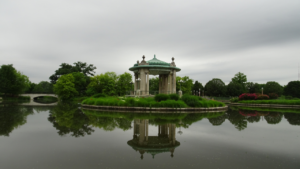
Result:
124,83
262,97
31,87
65,87
12,81
240,78
234,99
190,100
273,87
235,89
80,82
215,87
293,89
99,95
248,96
161,97
104,83
43,87
154,84
186,85
87,70
273,96
174,97
197,86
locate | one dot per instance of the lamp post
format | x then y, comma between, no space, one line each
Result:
262,90
199,92
180,81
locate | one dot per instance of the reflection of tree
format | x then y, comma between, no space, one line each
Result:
39,109
293,118
239,121
12,117
67,118
109,123
253,119
217,121
273,118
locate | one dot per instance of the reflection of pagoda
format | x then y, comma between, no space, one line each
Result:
164,142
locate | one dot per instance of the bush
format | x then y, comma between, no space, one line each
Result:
248,96
161,97
174,97
99,95
262,97
234,99
273,96
190,100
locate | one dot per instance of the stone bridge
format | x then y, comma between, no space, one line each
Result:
35,95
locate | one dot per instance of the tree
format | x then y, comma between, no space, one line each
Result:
87,70
197,86
293,89
43,87
65,87
124,83
31,87
215,87
103,83
186,85
273,87
154,84
80,82
234,89
12,81
239,78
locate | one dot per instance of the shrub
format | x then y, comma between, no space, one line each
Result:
248,96
190,100
273,96
234,99
130,101
288,97
174,97
161,97
99,95
262,97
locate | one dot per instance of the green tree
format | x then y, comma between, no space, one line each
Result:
65,87
124,83
239,78
31,87
293,89
87,70
186,85
197,86
12,81
43,87
80,82
234,89
273,87
154,84
215,87
103,83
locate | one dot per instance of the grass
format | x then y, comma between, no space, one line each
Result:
150,102
286,102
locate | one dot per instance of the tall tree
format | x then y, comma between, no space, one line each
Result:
239,78
154,84
123,83
186,85
293,89
43,87
87,70
65,87
215,87
103,83
273,87
197,86
234,89
12,81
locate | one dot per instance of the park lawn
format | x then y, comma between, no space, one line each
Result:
146,102
286,102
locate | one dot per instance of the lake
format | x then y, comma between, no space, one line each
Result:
65,136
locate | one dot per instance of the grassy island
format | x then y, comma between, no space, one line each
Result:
160,100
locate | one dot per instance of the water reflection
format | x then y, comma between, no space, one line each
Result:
165,140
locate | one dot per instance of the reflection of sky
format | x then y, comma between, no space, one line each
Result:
37,145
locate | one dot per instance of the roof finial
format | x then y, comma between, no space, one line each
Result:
143,57
154,56
173,59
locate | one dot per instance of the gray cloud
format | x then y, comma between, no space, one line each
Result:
209,39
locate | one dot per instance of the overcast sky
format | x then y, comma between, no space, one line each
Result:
208,38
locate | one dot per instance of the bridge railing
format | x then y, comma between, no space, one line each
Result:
39,93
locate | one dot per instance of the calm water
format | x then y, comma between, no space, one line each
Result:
66,136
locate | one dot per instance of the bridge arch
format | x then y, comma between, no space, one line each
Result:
35,95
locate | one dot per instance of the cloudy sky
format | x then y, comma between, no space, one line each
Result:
208,38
